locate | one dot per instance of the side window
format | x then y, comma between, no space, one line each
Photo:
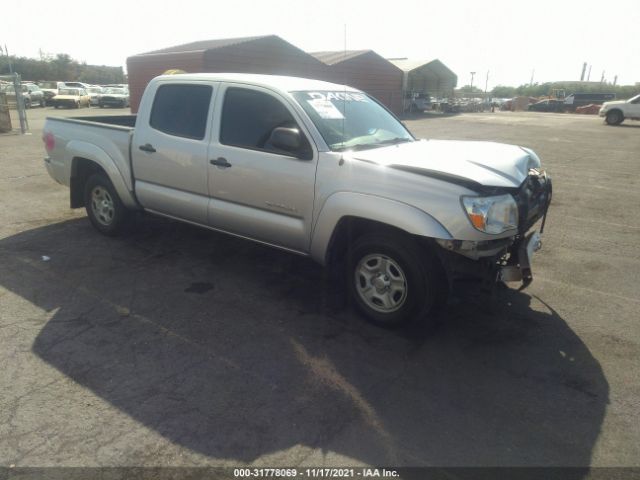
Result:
249,117
181,110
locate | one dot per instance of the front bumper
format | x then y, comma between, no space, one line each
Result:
507,259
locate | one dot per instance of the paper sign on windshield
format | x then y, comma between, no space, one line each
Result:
322,102
325,109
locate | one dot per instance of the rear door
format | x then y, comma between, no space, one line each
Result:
169,149
258,191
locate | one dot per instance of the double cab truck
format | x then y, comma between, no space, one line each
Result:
615,113
317,169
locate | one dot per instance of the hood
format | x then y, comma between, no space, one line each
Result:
614,102
471,164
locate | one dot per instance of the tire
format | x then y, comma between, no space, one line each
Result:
77,105
27,103
42,103
104,208
378,261
101,105
56,106
614,117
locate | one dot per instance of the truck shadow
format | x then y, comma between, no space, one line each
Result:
237,351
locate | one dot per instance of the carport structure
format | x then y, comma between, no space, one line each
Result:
367,71
426,76
267,54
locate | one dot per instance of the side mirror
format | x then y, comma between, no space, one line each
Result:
287,139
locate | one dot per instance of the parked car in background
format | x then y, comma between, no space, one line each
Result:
95,93
548,105
114,97
50,90
77,85
71,98
30,93
417,102
117,85
616,112
36,95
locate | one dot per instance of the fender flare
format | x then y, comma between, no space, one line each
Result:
89,151
379,209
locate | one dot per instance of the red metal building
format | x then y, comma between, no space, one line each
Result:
367,71
266,54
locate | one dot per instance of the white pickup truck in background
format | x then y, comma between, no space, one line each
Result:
618,111
318,169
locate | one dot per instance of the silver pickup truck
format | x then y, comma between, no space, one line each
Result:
318,169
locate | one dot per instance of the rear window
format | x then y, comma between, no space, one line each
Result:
181,110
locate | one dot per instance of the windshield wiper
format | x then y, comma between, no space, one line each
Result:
395,141
356,147
365,146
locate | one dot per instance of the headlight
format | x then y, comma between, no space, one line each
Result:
492,214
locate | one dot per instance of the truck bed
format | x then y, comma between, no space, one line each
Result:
118,121
105,139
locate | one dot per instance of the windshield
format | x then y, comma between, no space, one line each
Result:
118,91
50,85
68,91
94,90
351,120
635,99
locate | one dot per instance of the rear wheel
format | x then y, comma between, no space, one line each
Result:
393,281
103,205
27,103
614,118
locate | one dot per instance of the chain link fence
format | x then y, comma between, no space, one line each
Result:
13,112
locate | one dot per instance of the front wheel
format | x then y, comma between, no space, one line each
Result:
614,118
103,205
393,281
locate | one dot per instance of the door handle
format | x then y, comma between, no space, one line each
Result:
220,162
147,148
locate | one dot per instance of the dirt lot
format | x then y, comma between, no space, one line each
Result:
178,346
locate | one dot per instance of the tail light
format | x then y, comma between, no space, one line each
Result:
49,141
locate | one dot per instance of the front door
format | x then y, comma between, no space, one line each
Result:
257,190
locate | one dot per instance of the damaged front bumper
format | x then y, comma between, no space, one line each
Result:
507,259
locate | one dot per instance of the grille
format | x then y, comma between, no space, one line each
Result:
533,199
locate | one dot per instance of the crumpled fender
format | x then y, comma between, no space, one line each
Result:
348,204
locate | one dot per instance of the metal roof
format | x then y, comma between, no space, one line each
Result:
207,45
331,58
408,65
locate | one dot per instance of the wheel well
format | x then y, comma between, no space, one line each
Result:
81,170
349,229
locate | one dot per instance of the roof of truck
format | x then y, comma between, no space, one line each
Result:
279,82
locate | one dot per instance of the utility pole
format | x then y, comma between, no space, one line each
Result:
584,68
472,74
589,74
602,78
615,80
531,82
